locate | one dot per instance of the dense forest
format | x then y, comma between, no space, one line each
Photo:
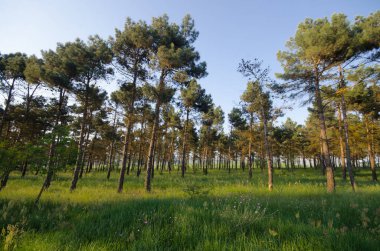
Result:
56,116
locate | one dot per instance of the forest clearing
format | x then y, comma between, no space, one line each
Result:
138,133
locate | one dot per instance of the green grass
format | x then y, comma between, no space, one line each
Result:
219,211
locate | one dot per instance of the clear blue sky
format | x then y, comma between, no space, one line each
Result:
229,30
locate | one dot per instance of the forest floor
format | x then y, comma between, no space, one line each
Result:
219,211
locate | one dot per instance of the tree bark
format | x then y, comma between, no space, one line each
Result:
250,147
341,145
325,152
184,144
370,148
112,146
52,146
78,164
268,152
345,127
127,135
150,160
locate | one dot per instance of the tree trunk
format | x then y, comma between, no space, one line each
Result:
370,148
323,134
24,168
4,179
341,145
127,135
52,146
78,164
250,147
183,168
110,164
150,160
268,152
345,127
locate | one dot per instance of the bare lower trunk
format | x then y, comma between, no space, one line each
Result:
125,157
4,179
49,165
78,164
110,163
341,144
150,159
268,153
183,168
24,167
345,132
325,152
371,153
127,136
250,147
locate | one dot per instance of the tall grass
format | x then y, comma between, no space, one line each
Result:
219,211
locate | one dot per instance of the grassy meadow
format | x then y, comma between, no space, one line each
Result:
219,211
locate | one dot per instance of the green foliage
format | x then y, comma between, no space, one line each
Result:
10,157
195,190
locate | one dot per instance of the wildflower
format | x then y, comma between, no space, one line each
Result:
330,223
272,232
343,229
354,205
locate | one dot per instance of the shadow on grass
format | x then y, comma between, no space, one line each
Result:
259,221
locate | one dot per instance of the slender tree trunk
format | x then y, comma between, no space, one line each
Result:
370,148
127,135
52,147
250,147
341,144
4,179
24,168
81,140
323,136
303,160
268,152
184,144
346,135
85,149
150,160
110,164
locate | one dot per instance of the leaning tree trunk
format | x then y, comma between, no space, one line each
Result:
78,164
325,152
4,179
49,165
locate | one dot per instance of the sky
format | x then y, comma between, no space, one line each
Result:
229,31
